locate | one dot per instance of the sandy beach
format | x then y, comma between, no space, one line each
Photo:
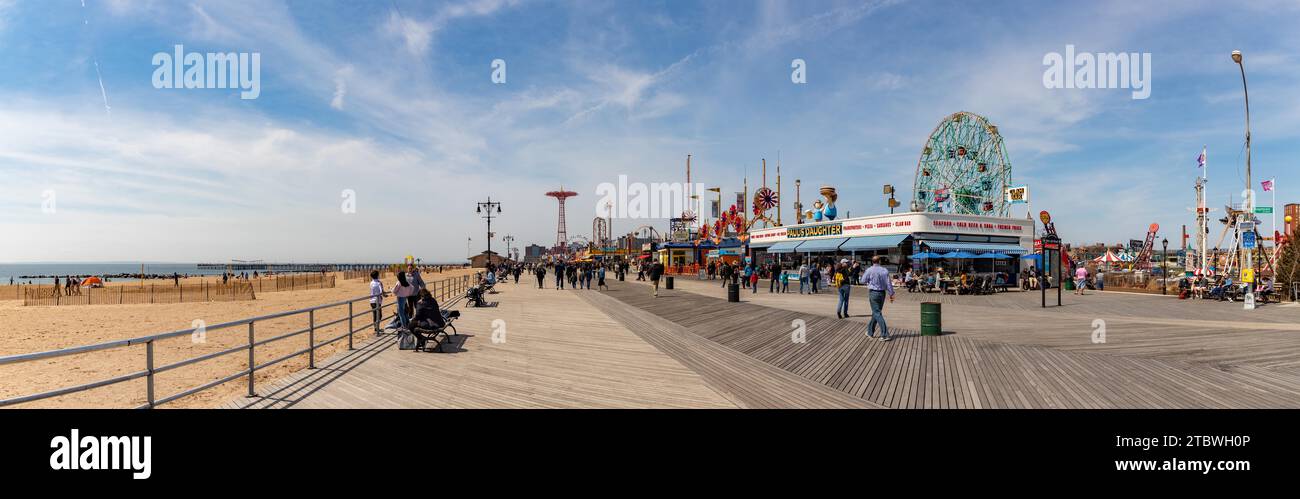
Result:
39,328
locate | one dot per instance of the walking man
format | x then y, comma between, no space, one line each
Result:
540,271
656,271
878,284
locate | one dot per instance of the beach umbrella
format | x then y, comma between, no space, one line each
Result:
959,255
996,256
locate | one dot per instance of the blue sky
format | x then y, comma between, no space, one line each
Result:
393,99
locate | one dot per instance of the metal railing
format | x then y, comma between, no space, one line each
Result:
452,287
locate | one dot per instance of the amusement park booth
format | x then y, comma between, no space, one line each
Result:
899,236
730,250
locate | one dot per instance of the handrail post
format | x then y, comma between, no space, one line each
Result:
251,362
350,326
311,339
148,363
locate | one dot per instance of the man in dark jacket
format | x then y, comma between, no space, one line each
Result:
656,271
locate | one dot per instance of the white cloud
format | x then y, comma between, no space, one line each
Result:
340,87
415,35
5,7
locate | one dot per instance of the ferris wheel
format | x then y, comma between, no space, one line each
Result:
963,168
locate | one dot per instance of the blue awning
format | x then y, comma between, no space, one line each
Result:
783,247
862,243
821,245
981,247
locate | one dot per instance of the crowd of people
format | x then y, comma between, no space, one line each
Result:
579,275
1224,288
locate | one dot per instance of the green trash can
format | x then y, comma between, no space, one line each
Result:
931,319
1069,284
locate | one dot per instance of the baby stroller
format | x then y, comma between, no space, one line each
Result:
475,296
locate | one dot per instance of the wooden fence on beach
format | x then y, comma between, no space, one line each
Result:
150,293
296,282
364,274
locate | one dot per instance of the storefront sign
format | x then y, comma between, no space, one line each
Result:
820,230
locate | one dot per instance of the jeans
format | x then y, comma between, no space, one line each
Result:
843,306
376,311
877,299
803,283
402,319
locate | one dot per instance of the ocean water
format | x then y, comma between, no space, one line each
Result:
16,271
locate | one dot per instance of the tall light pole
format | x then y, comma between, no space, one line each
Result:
508,239
1249,205
489,204
1164,266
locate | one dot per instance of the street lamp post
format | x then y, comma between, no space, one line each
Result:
508,239
489,204
1164,287
1248,206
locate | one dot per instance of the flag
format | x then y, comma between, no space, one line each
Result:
1200,160
1267,184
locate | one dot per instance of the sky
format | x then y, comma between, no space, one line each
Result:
394,101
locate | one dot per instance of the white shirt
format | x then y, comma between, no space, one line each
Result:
376,291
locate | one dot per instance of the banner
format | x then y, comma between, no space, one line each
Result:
1017,195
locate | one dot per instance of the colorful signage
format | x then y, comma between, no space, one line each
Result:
835,229
1018,195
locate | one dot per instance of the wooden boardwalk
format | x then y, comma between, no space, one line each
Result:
959,370
557,353
690,348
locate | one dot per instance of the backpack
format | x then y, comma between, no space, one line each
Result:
405,340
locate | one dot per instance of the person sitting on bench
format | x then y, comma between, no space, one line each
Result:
428,322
